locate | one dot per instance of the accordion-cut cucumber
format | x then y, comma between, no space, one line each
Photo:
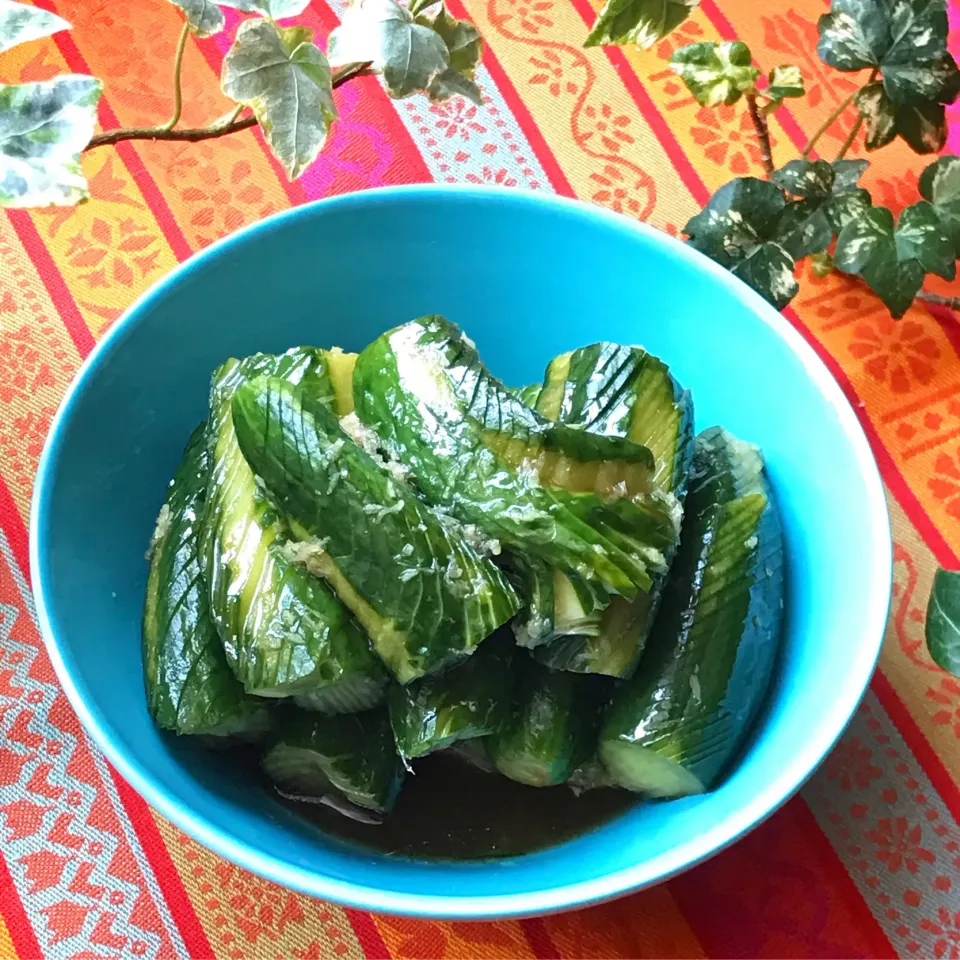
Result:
190,687
673,728
352,756
284,631
424,595
556,604
627,392
583,502
552,728
467,701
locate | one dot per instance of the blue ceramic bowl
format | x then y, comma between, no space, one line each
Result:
528,276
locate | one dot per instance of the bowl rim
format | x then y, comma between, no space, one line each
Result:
563,896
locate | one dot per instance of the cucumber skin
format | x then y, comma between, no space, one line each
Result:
284,631
354,751
390,552
620,391
467,701
189,685
553,725
709,659
463,442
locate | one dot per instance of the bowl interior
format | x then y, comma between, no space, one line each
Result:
527,278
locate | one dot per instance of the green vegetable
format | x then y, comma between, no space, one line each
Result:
424,595
943,621
673,727
581,501
552,728
557,603
469,700
351,756
627,392
590,775
284,631
190,687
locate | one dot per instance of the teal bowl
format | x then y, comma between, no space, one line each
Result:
528,276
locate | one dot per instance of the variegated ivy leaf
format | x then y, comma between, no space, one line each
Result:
411,56
906,41
737,229
827,197
204,16
43,129
785,81
464,48
715,73
274,9
922,124
286,80
920,236
642,22
20,22
940,185
891,260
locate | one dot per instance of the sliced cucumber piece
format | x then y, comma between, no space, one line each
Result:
626,392
424,595
673,728
469,700
351,756
284,631
582,501
552,728
190,687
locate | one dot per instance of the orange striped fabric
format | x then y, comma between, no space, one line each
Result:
865,862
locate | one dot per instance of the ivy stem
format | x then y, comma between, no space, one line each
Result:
232,123
952,302
851,136
177,78
822,129
763,133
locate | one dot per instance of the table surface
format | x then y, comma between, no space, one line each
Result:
864,862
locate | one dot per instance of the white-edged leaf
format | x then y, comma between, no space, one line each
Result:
642,22
411,56
274,9
43,129
464,48
285,78
715,73
20,22
785,81
204,16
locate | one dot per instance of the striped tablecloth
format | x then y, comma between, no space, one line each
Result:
865,862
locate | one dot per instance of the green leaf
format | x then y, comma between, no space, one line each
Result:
769,270
827,199
847,174
464,48
204,16
906,40
892,262
410,56
43,129
737,229
785,81
920,236
943,621
286,80
854,34
821,264
880,114
715,73
806,178
274,9
642,22
804,228
20,23
940,184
